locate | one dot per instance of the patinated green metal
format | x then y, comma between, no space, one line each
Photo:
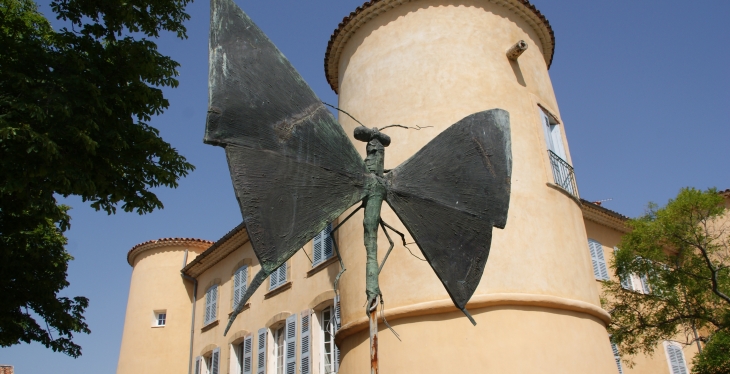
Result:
294,169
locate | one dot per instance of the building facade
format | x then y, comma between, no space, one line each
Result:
426,63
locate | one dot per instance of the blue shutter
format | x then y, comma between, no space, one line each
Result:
197,365
305,342
597,259
617,358
215,361
625,281
337,324
211,298
261,352
290,342
317,249
247,354
327,241
239,284
676,359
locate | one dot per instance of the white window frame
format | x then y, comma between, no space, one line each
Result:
279,349
598,259
322,246
679,366
553,135
635,282
278,277
240,279
211,305
328,328
157,321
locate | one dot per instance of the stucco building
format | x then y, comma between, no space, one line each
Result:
420,63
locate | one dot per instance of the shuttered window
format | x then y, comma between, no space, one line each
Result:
239,284
599,262
290,341
211,301
278,277
675,356
553,136
261,352
305,343
626,281
322,246
215,359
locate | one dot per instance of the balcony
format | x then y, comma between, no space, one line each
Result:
563,174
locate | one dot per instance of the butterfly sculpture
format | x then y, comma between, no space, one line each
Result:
294,169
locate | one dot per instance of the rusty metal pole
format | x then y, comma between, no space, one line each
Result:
373,308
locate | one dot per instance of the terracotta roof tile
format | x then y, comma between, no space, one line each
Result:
159,242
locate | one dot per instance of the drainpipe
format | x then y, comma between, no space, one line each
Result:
192,320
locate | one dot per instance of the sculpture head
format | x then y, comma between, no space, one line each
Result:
377,141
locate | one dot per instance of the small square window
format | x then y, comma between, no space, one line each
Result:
160,318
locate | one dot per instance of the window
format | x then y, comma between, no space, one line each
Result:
617,358
599,262
279,337
329,353
328,340
562,171
322,246
240,277
160,318
278,277
241,356
211,300
675,358
208,364
553,136
634,282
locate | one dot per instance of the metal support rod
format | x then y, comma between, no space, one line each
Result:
373,308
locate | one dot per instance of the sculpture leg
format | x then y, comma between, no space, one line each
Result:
382,225
337,251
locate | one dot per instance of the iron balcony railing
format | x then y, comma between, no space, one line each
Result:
563,174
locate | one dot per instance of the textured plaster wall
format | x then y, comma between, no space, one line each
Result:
431,63
157,285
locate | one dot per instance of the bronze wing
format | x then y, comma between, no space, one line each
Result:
293,168
451,193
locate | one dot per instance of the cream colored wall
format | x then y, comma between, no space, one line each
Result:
431,63
657,363
306,292
156,284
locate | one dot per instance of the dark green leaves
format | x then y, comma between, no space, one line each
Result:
683,251
74,111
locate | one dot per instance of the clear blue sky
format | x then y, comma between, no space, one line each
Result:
643,89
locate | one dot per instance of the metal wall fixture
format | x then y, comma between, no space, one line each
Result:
516,50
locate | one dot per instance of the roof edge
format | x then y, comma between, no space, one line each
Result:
241,227
165,242
369,10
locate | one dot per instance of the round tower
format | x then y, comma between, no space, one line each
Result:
430,63
156,337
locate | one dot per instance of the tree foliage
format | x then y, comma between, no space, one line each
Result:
74,111
683,251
